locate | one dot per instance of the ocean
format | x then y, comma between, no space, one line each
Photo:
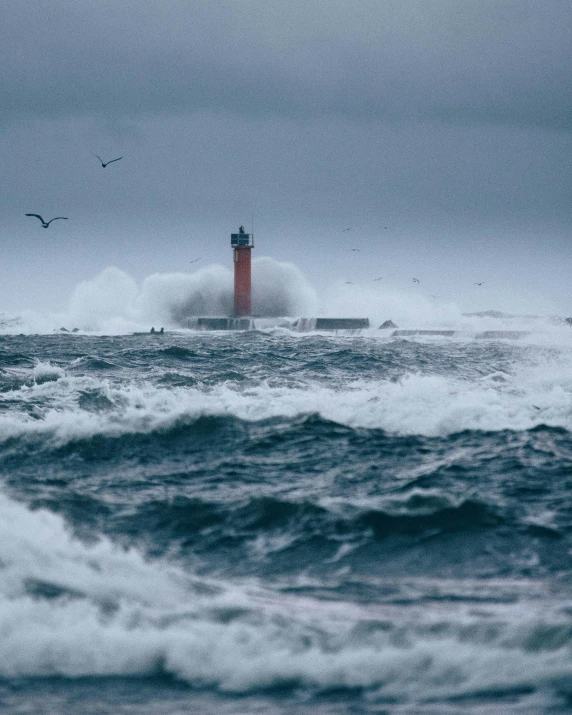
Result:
279,522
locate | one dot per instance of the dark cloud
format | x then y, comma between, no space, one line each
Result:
444,121
503,62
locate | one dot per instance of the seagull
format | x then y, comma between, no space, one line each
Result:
346,229
355,249
196,259
104,164
479,284
348,283
433,296
416,280
46,224
378,279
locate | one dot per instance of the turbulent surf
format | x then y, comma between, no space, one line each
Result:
277,522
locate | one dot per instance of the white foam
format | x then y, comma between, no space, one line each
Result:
535,392
45,372
120,615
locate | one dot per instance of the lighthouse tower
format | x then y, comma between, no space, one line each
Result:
242,244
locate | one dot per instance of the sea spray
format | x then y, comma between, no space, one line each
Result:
112,299
108,298
280,289
170,298
113,303
379,303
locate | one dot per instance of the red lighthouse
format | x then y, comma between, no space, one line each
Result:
242,244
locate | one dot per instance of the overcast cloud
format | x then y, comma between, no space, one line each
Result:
439,132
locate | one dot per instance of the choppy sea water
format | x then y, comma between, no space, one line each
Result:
267,522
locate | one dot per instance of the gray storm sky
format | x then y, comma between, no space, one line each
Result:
438,131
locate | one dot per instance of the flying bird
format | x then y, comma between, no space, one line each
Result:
479,284
416,280
378,279
105,163
355,249
346,229
46,224
348,283
195,260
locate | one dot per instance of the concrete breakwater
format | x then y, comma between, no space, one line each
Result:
305,325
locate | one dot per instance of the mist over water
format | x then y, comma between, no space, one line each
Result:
113,302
